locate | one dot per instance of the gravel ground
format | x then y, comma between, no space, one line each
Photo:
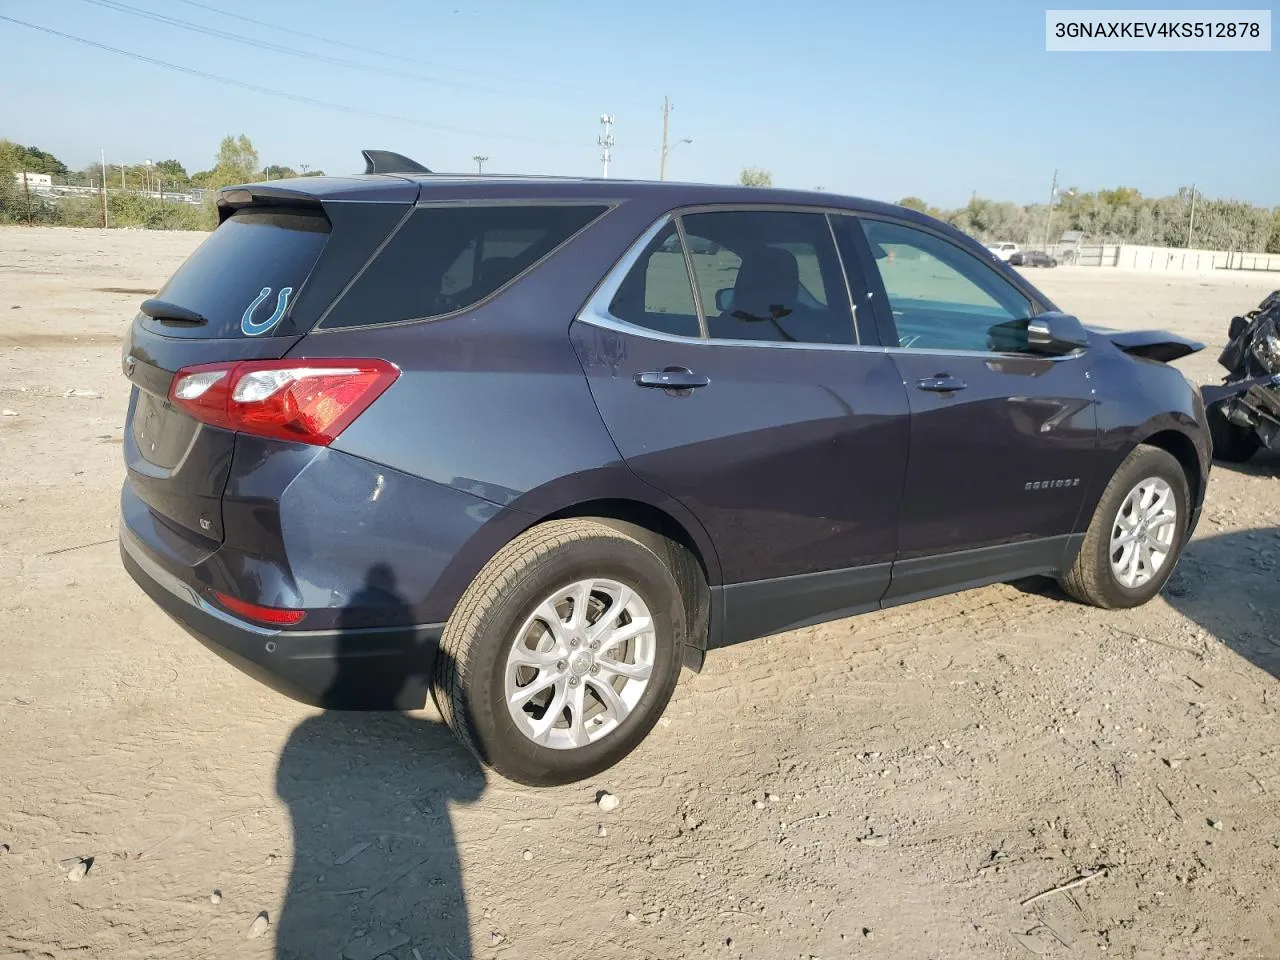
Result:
895,785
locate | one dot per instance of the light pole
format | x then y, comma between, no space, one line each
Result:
1053,198
1191,224
666,152
480,162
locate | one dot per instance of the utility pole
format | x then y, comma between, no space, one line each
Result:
1191,225
1048,217
606,142
666,120
104,189
27,189
667,147
480,162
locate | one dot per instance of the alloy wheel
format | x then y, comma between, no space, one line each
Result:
1143,533
580,663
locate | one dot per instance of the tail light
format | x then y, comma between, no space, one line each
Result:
307,401
255,611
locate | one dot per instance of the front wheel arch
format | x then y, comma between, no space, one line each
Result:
1183,449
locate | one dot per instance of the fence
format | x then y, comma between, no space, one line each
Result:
1127,256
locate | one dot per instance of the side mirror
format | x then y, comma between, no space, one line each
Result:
724,300
1056,334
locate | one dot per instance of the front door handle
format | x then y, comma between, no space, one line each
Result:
672,378
942,383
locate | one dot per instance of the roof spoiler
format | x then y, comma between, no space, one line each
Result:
384,161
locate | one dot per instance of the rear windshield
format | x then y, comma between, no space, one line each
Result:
244,278
446,259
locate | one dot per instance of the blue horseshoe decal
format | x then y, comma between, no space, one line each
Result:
252,329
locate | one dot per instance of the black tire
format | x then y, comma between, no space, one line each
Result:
1091,579
469,681
1232,443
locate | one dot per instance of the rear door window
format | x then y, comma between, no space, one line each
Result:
769,275
244,278
656,293
445,259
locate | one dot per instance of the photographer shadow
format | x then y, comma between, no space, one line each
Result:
376,871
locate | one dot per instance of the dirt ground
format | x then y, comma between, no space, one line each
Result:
888,786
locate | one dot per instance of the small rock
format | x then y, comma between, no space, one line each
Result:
4,848
82,393
1172,763
1216,824
631,917
495,938
867,933
758,804
728,941
772,797
528,854
215,897
80,870
606,801
601,830
9,413
259,926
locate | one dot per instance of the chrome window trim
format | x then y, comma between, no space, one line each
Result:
595,312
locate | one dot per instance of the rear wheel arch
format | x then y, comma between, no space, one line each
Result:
671,540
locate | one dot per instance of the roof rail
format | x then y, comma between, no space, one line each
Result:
384,161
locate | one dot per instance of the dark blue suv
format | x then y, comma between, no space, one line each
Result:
531,444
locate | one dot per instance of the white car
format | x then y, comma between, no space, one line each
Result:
1003,250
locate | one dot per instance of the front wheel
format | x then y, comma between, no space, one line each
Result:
564,651
1136,534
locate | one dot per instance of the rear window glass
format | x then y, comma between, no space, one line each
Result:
446,259
246,276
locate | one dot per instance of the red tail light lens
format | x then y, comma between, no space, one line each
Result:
254,611
308,401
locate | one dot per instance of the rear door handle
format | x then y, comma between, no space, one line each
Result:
672,378
942,383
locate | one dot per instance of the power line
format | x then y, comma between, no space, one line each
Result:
281,48
295,97
294,32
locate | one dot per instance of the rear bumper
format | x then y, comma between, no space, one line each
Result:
385,668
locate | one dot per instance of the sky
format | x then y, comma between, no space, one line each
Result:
878,99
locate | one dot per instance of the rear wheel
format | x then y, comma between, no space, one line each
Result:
1232,443
563,652
1136,534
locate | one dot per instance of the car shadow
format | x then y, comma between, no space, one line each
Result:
376,871
1264,463
1226,584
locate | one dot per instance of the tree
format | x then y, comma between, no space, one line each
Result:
237,162
276,172
755,177
914,203
173,172
33,159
